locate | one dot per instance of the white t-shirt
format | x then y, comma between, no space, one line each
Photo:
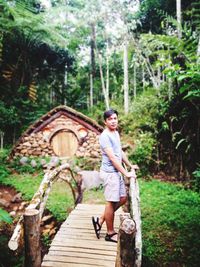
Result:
111,140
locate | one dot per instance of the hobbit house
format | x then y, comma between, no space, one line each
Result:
62,132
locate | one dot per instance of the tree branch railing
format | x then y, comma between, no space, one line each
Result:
39,199
129,249
136,215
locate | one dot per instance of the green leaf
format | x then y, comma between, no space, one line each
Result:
5,217
195,94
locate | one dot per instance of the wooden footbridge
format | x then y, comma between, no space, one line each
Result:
75,244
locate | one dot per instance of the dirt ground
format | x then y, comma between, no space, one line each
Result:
13,200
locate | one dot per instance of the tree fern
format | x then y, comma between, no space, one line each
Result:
27,32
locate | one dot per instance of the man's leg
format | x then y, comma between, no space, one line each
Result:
116,205
109,217
120,203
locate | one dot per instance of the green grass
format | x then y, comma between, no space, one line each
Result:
170,224
25,183
60,200
94,196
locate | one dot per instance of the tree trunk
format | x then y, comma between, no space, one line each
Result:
32,238
151,73
65,85
170,88
146,62
134,82
126,87
159,79
102,82
178,15
143,78
92,60
169,82
91,91
107,70
2,138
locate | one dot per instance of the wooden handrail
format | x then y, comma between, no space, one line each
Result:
136,215
130,253
39,200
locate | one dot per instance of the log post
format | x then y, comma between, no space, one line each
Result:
32,238
126,242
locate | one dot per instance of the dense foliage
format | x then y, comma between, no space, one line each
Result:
87,55
72,52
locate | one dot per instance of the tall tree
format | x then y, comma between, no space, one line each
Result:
178,15
126,80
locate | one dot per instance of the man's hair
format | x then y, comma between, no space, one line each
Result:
109,113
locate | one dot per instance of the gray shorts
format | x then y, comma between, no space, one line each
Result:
114,186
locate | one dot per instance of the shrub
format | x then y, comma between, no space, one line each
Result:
143,154
196,180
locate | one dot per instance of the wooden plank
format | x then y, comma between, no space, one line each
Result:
62,259
88,206
87,241
75,244
79,236
61,264
76,230
82,255
82,250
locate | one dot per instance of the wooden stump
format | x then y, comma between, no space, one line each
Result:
126,242
32,238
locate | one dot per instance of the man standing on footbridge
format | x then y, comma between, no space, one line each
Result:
111,172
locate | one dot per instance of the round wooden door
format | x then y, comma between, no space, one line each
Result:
65,144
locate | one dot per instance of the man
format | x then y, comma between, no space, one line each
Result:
111,172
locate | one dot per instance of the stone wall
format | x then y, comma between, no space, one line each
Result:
37,144
34,145
90,147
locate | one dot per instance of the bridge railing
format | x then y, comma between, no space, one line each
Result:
34,212
129,248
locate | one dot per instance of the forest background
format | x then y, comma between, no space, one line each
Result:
140,57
